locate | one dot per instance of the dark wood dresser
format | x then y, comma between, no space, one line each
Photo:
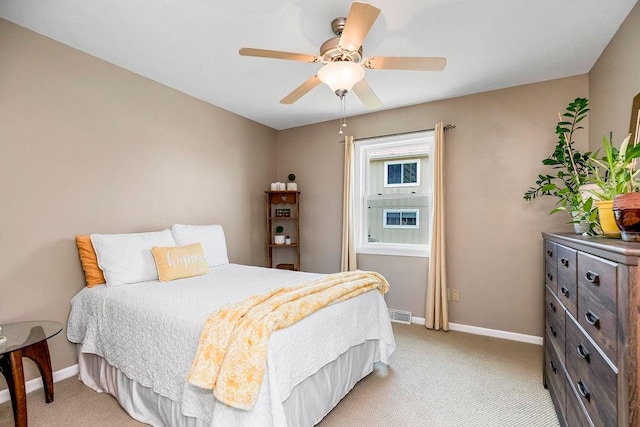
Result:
592,314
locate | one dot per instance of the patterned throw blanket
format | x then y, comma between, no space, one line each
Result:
232,353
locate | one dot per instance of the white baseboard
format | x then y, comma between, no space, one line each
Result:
418,320
36,383
476,330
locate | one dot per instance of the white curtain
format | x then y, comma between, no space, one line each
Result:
348,262
437,311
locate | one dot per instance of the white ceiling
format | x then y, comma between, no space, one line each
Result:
192,46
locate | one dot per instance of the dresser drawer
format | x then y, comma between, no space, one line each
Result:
575,413
554,373
551,276
599,277
550,252
600,323
551,265
567,281
591,376
555,321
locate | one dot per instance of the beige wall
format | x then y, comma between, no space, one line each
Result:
613,82
492,156
88,147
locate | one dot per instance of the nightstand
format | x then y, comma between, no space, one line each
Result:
26,339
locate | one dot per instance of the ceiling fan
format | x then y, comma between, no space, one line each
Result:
343,64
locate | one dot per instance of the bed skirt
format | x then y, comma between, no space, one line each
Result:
307,404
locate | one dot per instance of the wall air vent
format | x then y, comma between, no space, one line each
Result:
400,316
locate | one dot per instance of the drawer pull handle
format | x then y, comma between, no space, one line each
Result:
549,253
583,352
592,277
550,277
564,262
564,291
592,318
553,331
553,306
552,366
583,390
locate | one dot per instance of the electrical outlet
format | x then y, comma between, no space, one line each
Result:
456,295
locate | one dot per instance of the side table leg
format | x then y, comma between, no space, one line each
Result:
39,353
11,368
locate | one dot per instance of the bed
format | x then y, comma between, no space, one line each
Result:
137,342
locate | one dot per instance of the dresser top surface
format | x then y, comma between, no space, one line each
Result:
598,243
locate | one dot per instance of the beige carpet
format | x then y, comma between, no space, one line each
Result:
435,379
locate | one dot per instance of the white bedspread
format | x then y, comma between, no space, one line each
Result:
150,332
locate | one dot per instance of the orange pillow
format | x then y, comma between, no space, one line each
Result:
179,262
92,273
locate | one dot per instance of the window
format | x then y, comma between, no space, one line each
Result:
400,218
402,173
392,195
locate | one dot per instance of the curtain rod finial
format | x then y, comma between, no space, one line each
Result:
449,127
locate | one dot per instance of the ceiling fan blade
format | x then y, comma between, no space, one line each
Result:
276,54
301,90
361,18
366,95
405,63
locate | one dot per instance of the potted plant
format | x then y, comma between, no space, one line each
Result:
619,208
573,170
279,238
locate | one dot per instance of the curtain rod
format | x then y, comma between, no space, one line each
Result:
446,128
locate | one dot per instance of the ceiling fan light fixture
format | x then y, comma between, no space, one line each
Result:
340,76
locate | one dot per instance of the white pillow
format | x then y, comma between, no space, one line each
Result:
210,236
127,258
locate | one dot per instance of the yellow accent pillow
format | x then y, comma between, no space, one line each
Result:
93,276
178,262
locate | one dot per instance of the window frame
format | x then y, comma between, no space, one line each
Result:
425,141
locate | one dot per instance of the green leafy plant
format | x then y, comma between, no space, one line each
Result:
619,165
572,169
279,229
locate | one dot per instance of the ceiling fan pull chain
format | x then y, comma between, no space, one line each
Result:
343,110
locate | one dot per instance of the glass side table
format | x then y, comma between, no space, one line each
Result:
26,339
